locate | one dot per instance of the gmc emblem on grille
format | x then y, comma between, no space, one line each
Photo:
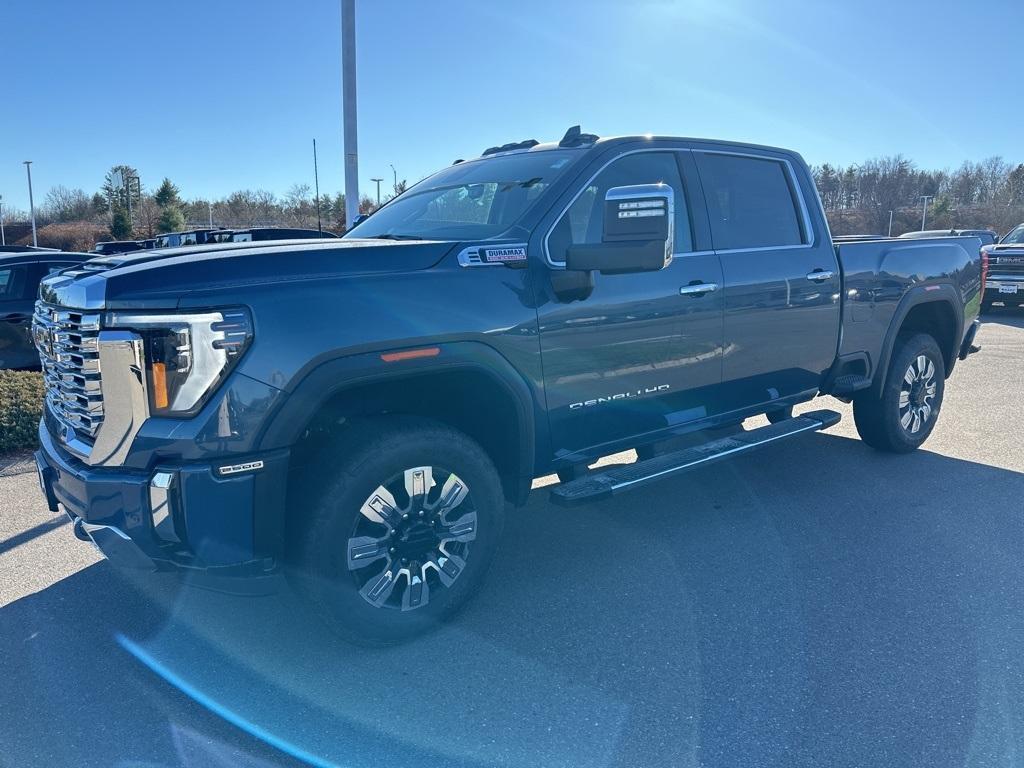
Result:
1010,260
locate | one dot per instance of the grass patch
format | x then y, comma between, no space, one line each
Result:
21,406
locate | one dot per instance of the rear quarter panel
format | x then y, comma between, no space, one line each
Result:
882,278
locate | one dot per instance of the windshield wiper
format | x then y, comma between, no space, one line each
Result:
390,236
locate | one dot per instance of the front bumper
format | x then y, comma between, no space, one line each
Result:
183,516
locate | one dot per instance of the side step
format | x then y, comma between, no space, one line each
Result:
616,480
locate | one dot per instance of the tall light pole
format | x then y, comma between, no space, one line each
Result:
316,181
3,237
924,208
890,223
378,190
31,203
395,174
348,103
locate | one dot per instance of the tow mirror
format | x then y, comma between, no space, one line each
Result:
636,235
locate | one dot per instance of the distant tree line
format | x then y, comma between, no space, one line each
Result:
858,199
73,219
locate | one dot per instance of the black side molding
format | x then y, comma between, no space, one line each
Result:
601,485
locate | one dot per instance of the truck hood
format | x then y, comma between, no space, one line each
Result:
159,279
1005,250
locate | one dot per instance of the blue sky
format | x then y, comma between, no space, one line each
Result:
222,95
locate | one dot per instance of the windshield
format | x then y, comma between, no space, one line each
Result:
469,201
1015,236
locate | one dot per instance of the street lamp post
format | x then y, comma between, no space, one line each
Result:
3,237
348,102
31,202
924,208
890,223
395,174
378,181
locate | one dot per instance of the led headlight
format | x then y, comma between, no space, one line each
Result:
187,354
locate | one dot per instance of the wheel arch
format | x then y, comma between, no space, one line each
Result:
932,309
466,385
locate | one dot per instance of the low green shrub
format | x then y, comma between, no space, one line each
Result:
21,405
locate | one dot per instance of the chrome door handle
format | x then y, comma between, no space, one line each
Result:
820,276
698,289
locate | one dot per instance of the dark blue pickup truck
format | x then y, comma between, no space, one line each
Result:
357,414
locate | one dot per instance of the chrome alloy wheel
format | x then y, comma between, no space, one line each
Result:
917,394
412,536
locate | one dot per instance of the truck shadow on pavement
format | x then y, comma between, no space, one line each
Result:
819,604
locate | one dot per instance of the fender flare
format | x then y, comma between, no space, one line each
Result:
945,293
333,376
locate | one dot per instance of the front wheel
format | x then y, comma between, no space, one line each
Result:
902,416
402,534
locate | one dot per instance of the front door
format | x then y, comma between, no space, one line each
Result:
782,281
635,355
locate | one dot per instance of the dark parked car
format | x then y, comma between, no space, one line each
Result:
116,246
358,413
189,237
254,234
20,273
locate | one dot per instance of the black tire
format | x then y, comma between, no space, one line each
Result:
382,453
894,423
781,414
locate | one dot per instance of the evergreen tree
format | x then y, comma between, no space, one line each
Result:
120,227
171,219
167,194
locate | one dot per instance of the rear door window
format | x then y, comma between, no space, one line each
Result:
751,202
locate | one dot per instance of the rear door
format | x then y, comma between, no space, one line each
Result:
781,275
633,355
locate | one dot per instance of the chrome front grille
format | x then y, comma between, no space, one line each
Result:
68,344
1012,266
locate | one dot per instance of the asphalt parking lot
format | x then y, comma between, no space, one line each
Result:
815,604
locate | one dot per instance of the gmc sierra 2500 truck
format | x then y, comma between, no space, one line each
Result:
357,414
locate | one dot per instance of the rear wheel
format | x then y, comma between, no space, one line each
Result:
402,534
902,417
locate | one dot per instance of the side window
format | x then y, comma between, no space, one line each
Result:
12,282
751,202
583,223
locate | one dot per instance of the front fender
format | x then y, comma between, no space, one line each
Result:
320,385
